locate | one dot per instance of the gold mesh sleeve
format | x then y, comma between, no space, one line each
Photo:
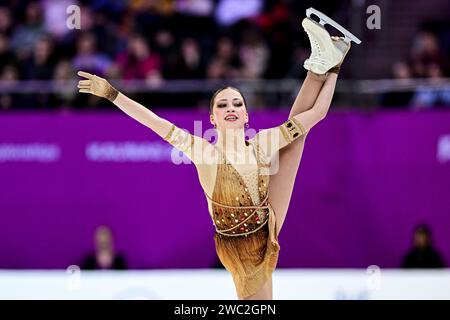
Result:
180,139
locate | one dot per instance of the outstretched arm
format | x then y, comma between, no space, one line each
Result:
102,88
274,139
179,138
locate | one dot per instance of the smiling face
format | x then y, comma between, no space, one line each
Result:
229,110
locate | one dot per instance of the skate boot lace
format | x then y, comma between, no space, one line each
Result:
316,53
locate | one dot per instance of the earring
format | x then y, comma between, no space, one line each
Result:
246,124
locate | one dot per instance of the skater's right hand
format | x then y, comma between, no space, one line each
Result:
343,46
96,86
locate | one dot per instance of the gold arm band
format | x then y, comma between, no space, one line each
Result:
285,135
302,129
292,129
189,145
180,139
111,93
168,136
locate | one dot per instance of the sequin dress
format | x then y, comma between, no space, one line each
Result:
246,238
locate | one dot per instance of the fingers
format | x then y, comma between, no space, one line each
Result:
85,74
85,85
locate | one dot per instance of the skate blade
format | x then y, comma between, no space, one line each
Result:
324,19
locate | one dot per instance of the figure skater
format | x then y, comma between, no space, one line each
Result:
247,202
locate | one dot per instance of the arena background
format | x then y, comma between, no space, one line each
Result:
374,170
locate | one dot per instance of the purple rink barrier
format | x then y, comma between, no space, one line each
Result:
364,182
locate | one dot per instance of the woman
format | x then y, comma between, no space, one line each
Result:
247,210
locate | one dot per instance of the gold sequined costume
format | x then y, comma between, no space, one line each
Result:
246,237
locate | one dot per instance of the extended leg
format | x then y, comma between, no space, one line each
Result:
308,93
327,54
282,183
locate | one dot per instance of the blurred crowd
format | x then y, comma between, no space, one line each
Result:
428,59
158,40
147,40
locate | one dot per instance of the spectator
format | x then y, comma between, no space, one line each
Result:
423,254
138,62
254,55
216,70
41,64
426,52
63,76
226,62
7,57
5,21
401,72
10,76
165,46
87,57
26,36
105,256
281,36
190,65
429,96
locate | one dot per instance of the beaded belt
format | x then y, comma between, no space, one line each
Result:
225,232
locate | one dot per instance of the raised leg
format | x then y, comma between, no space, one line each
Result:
282,183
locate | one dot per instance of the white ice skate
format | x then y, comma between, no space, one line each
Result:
326,53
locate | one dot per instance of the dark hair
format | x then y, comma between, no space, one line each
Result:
423,228
211,103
